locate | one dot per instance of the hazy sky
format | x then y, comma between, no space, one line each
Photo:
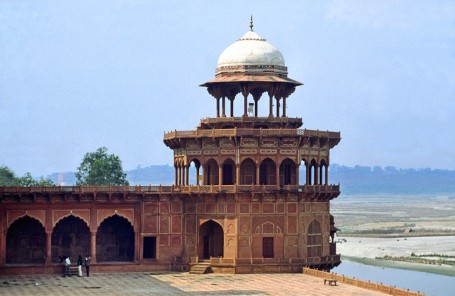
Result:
78,75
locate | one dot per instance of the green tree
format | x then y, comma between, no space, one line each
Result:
28,180
9,178
100,168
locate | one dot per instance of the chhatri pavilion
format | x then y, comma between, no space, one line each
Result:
251,192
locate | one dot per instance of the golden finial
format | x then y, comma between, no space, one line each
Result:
251,23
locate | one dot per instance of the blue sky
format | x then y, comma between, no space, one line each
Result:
78,75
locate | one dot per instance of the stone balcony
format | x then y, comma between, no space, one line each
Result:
135,193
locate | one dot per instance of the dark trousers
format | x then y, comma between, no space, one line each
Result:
87,270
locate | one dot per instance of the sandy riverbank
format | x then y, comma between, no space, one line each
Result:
364,250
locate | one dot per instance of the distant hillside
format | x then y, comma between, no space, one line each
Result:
353,180
390,180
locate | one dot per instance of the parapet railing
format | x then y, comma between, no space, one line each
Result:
250,132
261,260
391,290
211,120
159,189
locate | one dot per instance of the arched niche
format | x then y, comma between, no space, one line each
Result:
26,242
248,172
70,237
115,240
211,240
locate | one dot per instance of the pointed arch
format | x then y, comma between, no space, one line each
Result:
323,172
228,172
313,172
211,171
127,214
248,172
314,239
115,240
267,172
70,237
29,214
304,175
25,241
288,172
71,213
211,239
194,168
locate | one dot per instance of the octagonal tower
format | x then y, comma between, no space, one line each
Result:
274,174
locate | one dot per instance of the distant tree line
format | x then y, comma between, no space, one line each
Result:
9,178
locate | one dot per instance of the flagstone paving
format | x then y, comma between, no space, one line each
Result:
172,283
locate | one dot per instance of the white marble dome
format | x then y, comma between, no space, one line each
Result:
250,50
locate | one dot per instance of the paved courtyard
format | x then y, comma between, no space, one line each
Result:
171,283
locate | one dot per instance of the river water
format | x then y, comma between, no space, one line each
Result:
428,283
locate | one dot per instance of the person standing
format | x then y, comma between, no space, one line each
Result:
79,265
67,266
87,265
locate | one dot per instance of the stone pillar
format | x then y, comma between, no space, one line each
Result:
187,177
316,175
277,165
48,247
218,107
176,178
220,175
277,106
203,175
258,166
93,246
137,247
308,173
326,174
284,106
223,106
245,104
297,174
320,174
232,106
270,104
237,174
197,175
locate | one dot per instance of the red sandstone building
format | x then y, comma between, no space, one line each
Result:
244,208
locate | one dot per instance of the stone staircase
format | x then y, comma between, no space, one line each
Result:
201,268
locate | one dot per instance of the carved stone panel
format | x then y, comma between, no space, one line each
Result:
292,208
244,208
150,224
176,240
209,143
164,224
226,142
190,224
292,224
249,142
268,151
177,224
288,142
269,142
164,207
268,208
